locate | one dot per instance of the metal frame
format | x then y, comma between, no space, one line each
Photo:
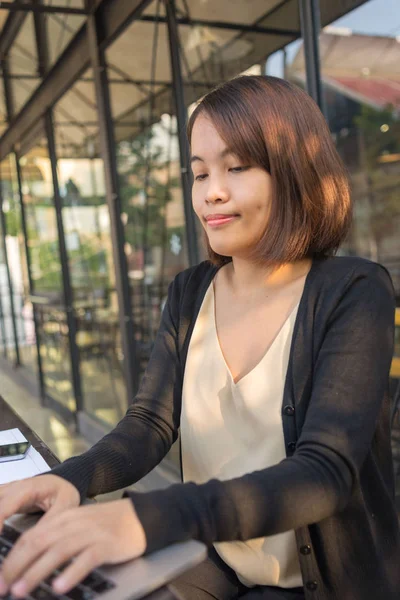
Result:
41,8
112,16
310,20
42,55
127,81
42,47
10,31
9,280
181,113
10,111
108,155
42,388
2,328
8,96
223,25
67,288
9,102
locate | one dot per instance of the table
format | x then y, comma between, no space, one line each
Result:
9,420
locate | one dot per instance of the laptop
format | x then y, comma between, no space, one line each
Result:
128,581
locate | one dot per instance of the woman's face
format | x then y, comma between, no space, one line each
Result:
230,198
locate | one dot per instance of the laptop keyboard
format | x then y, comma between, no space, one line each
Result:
90,588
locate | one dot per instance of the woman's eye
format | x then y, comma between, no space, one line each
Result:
201,177
239,169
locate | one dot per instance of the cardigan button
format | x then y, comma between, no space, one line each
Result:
311,586
305,549
288,410
292,446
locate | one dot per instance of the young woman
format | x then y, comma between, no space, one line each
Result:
272,359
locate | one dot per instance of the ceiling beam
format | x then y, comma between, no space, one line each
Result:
116,81
41,8
114,16
8,92
10,31
42,42
224,25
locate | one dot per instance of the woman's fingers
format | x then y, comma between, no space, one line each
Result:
33,544
45,492
54,556
89,559
111,531
19,499
27,549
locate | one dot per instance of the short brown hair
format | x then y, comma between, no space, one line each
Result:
273,124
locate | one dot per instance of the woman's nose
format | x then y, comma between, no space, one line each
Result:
216,193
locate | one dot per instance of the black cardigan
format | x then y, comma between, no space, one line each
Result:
335,488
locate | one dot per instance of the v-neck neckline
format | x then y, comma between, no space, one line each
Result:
266,353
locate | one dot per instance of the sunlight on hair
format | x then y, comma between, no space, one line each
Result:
313,146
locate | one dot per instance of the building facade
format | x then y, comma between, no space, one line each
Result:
96,214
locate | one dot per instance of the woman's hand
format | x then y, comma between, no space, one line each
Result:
48,493
107,533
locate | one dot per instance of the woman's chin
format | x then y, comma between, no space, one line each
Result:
226,245
232,251
222,249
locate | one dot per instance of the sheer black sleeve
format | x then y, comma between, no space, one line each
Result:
144,436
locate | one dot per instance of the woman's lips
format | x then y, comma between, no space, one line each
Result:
218,220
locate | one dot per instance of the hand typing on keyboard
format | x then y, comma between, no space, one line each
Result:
48,493
93,585
107,533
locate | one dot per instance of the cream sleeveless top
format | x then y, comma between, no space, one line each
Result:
229,429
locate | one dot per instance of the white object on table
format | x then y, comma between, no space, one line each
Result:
32,464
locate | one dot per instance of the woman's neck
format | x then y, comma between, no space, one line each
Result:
248,279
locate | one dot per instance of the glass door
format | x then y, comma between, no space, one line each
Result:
47,284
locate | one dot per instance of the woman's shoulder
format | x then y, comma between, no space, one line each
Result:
348,269
351,281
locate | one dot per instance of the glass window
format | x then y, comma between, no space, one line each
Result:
211,55
88,240
47,292
18,265
145,132
360,65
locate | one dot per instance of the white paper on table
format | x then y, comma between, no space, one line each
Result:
32,464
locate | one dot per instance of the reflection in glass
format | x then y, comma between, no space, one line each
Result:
18,265
37,189
145,130
88,241
362,98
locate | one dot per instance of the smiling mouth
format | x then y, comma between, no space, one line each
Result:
218,220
